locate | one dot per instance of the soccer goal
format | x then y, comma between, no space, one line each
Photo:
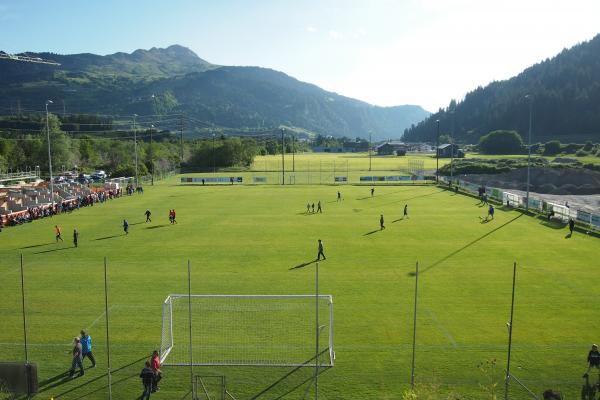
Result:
247,330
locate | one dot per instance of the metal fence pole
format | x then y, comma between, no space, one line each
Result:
190,327
412,369
317,331
510,328
23,308
107,330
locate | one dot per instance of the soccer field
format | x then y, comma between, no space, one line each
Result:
248,239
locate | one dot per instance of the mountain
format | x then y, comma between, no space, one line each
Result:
565,94
236,97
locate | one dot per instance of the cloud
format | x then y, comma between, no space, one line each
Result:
335,35
311,29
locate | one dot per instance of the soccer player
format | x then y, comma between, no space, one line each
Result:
593,360
126,226
571,225
86,347
75,237
381,225
313,207
307,208
320,253
174,216
58,233
77,358
339,198
319,209
148,214
372,191
405,211
490,212
147,376
155,364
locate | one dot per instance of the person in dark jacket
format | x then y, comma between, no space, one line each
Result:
593,360
77,358
86,347
571,225
147,376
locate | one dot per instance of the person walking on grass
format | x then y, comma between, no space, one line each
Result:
372,191
174,217
320,253
77,358
339,197
308,208
147,376
86,347
313,207
405,211
155,364
126,227
58,232
571,226
490,212
319,209
381,225
593,360
75,237
148,214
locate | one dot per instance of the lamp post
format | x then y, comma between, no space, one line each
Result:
213,154
370,133
530,98
49,155
151,156
452,144
437,152
293,153
136,151
282,156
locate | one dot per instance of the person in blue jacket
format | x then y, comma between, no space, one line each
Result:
86,347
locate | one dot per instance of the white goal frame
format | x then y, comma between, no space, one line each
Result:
327,359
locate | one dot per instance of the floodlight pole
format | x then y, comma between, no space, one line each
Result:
370,144
510,328
452,144
293,153
437,152
317,331
282,156
213,155
151,155
136,151
190,326
529,150
49,155
109,376
23,308
412,368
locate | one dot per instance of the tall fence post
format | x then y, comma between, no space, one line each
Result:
109,375
23,310
510,328
412,368
190,328
317,332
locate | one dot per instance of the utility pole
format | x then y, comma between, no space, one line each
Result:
282,156
214,165
136,152
437,153
181,131
293,153
529,149
151,156
49,154
370,150
452,144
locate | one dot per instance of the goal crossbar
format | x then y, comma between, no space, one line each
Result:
247,330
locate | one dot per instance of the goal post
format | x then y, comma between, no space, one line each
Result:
247,330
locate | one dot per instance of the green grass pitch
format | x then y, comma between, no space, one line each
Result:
247,239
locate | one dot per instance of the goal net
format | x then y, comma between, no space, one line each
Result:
253,330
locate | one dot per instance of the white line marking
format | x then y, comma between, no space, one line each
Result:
442,328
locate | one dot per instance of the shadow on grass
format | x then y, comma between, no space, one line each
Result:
108,237
306,214
103,376
138,223
397,220
568,235
156,226
292,381
372,232
52,250
304,264
435,264
36,245
552,223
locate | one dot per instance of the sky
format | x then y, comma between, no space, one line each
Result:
384,52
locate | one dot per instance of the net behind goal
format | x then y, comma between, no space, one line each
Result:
239,330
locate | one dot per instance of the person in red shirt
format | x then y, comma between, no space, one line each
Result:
155,364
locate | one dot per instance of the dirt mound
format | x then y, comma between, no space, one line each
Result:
562,181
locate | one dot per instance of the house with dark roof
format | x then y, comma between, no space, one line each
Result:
450,150
392,149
